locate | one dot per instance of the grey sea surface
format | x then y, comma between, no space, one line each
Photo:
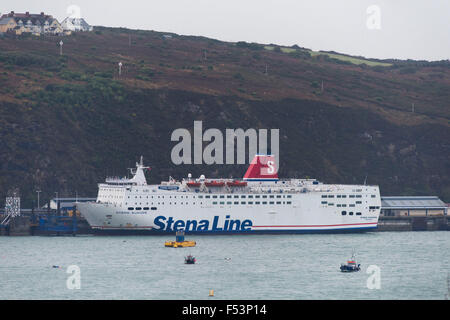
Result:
411,265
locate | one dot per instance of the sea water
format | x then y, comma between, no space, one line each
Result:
394,265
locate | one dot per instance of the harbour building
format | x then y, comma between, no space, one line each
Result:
405,206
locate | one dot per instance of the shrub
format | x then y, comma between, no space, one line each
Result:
315,84
104,74
27,60
251,46
71,75
277,49
148,72
300,54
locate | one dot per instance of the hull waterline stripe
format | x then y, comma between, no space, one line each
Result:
316,226
125,228
282,226
256,231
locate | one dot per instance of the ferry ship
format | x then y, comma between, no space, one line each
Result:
258,203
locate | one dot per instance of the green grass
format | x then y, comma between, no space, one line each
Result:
334,56
350,59
288,50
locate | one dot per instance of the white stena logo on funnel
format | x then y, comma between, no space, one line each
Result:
262,167
235,139
271,169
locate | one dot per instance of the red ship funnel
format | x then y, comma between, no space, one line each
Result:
262,167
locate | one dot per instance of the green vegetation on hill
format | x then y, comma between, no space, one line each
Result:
338,57
68,121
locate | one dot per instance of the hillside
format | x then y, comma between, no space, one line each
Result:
67,121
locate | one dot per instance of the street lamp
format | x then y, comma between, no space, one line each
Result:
38,192
57,203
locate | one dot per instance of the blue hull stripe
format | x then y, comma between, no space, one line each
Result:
292,231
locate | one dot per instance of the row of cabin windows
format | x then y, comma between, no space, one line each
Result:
162,203
350,213
252,202
345,196
245,196
223,196
341,205
221,202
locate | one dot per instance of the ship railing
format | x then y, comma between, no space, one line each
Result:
117,179
253,190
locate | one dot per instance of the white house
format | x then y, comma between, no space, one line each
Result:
75,24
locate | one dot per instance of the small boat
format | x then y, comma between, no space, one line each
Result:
214,183
189,259
193,184
351,265
179,241
237,183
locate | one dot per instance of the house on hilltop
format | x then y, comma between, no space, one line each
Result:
36,24
7,23
75,24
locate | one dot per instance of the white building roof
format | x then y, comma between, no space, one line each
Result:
75,24
408,202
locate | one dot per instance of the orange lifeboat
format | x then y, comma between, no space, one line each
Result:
214,184
193,184
237,183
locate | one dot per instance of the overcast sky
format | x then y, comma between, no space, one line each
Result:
404,29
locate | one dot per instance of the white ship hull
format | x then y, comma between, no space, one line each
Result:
306,213
261,206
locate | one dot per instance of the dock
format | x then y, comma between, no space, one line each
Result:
44,222
409,223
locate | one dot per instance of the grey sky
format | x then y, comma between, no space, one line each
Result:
410,29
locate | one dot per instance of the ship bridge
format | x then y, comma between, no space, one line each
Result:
137,180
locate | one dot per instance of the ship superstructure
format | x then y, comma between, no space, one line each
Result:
260,202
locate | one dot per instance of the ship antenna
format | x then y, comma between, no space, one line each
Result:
365,180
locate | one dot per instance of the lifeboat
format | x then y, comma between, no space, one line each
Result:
193,184
236,183
214,184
